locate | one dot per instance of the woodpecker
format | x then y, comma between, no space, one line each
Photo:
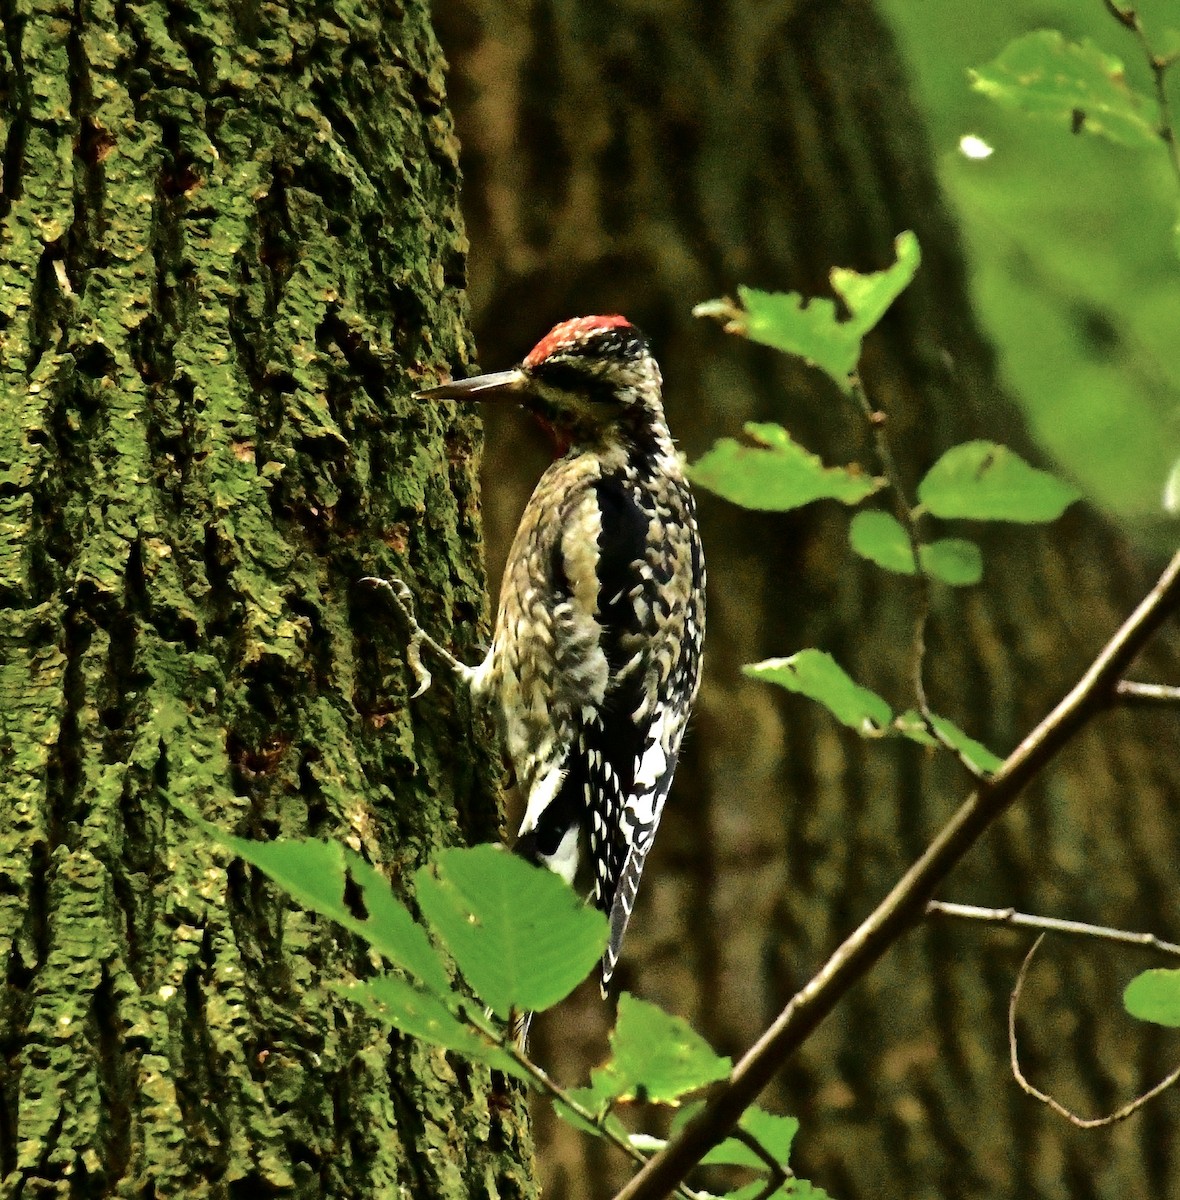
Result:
595,660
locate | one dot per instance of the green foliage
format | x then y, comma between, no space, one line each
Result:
812,328
1155,996
334,881
656,1057
520,935
1044,74
910,725
817,675
777,474
881,539
1069,246
983,481
423,1014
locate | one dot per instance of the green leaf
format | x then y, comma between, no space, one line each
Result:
656,1057
776,475
987,482
774,1133
337,883
812,329
882,539
413,1010
1155,996
521,936
910,725
817,675
1045,75
953,560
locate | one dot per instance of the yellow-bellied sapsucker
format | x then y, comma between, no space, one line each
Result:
596,656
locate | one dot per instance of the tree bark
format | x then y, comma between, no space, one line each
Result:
626,156
230,250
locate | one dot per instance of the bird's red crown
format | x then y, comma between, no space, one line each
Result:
570,333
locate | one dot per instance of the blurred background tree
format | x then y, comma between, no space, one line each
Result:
643,155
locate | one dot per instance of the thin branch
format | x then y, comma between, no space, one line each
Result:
1129,18
1019,920
1147,693
876,422
1014,1058
774,1169
906,903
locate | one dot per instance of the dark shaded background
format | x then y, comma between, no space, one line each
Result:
639,157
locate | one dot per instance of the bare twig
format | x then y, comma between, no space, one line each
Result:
1147,693
906,903
1019,920
876,421
1014,1058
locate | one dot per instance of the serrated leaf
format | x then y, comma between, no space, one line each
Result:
1155,996
777,475
812,328
774,1133
1075,83
522,937
817,675
337,883
655,1057
413,1010
985,481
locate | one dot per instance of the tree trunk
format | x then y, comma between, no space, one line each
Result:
625,156
230,250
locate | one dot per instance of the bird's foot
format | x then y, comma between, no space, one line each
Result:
403,601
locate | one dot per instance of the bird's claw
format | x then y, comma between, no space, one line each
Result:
403,600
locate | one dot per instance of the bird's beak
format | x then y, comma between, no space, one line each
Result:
500,385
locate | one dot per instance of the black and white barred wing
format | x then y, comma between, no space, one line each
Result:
652,620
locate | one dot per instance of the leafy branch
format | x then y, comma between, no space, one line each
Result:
904,905
1159,65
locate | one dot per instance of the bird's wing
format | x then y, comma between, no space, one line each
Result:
649,587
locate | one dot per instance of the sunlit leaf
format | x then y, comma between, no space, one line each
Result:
985,481
1155,996
655,1056
812,328
1045,75
522,937
777,474
815,674
773,1133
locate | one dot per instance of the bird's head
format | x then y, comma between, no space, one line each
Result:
591,380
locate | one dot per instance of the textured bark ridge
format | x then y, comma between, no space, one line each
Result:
632,157
230,248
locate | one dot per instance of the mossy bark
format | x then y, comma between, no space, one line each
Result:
230,248
639,157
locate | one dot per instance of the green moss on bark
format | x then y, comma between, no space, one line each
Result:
230,249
